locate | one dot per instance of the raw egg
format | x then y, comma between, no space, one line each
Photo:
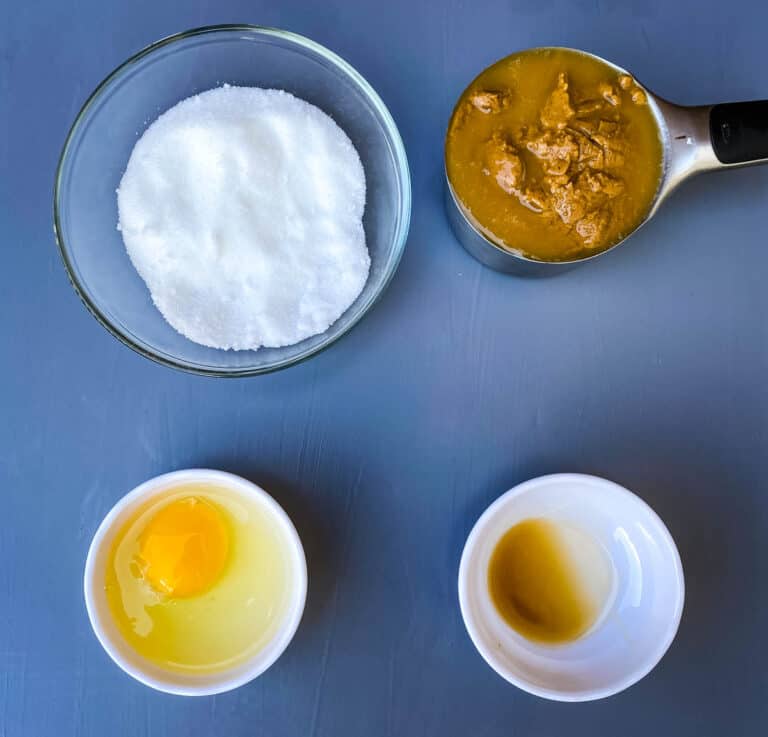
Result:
198,579
184,548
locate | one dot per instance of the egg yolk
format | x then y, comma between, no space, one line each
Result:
184,547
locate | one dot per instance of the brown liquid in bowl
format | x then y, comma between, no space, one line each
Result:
536,586
554,154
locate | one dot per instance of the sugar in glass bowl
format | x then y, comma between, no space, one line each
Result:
102,137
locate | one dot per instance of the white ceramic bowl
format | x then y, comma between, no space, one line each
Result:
107,632
639,620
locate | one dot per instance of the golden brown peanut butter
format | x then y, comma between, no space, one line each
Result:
554,154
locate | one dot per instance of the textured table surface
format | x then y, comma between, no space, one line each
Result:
647,367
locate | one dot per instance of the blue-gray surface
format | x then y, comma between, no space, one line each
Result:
647,367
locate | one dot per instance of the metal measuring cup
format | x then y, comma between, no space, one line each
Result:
694,140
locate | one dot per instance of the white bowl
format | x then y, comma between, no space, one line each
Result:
639,620
123,654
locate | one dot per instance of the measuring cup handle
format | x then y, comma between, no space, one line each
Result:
739,131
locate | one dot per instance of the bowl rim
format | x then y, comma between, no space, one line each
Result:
259,662
466,575
397,147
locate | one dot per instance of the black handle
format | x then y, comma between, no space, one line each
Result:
739,131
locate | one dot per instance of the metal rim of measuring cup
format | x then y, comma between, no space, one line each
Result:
687,149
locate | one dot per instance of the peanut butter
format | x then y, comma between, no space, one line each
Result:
554,154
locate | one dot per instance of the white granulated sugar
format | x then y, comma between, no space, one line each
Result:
241,208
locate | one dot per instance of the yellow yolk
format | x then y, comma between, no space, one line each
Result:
184,548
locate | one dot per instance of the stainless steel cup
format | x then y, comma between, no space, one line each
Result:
694,140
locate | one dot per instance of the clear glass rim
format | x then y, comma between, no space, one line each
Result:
404,181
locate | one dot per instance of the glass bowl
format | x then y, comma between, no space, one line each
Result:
99,144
